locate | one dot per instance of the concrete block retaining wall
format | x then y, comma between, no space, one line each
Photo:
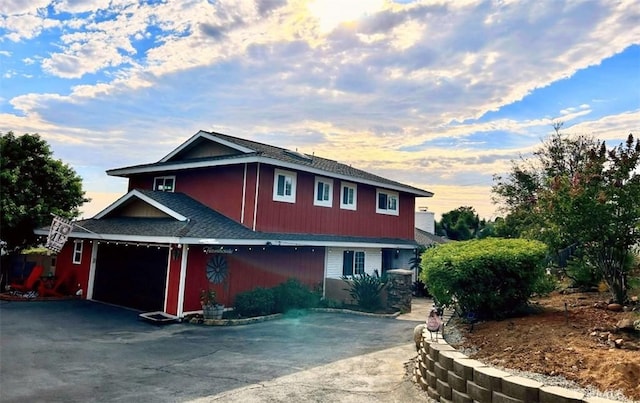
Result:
447,375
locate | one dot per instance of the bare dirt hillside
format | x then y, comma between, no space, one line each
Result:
582,343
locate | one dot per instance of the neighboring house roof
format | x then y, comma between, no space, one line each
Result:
247,151
185,220
425,238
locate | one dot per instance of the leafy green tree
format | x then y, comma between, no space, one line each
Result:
33,186
575,192
460,224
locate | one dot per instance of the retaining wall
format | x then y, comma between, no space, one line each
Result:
448,375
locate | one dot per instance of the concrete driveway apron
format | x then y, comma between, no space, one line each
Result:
79,351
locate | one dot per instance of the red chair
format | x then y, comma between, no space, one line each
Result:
31,282
60,288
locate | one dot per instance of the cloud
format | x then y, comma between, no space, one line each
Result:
612,128
19,27
409,90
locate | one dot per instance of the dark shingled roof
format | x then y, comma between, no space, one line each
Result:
279,154
425,238
282,154
202,223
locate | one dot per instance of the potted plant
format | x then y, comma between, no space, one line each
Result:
210,308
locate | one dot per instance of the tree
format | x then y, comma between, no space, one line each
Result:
460,224
34,186
578,193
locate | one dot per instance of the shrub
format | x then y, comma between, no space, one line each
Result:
292,294
490,278
582,273
365,290
545,284
257,302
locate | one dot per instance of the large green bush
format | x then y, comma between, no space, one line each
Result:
257,302
292,294
490,278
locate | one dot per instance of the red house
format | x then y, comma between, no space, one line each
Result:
233,214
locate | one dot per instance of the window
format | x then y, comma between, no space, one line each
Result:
284,186
77,252
323,195
348,196
358,264
164,183
352,263
387,202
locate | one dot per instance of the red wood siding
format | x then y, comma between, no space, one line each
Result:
218,187
303,217
253,268
250,195
79,272
221,188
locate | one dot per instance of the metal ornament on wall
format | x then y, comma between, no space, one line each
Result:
217,269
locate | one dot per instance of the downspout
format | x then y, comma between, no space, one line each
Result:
166,283
255,201
92,269
183,279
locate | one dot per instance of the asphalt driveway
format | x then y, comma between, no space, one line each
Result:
81,351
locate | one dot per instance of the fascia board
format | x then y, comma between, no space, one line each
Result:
293,242
208,136
118,237
230,242
181,166
146,199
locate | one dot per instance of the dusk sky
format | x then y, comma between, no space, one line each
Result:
440,95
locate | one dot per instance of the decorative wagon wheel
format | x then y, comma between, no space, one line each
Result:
217,269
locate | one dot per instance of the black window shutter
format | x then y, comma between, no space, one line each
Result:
347,263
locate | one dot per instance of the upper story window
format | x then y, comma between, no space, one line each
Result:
284,186
323,195
164,183
77,252
387,202
348,196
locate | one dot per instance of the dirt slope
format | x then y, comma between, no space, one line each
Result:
578,344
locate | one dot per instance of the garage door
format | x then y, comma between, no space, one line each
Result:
131,276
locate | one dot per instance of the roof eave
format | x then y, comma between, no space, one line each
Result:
269,240
270,161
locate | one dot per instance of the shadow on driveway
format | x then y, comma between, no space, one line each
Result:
81,351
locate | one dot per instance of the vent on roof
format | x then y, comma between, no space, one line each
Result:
298,155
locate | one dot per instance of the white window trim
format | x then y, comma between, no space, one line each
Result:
353,263
163,179
353,186
326,182
387,211
284,198
77,251
364,261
